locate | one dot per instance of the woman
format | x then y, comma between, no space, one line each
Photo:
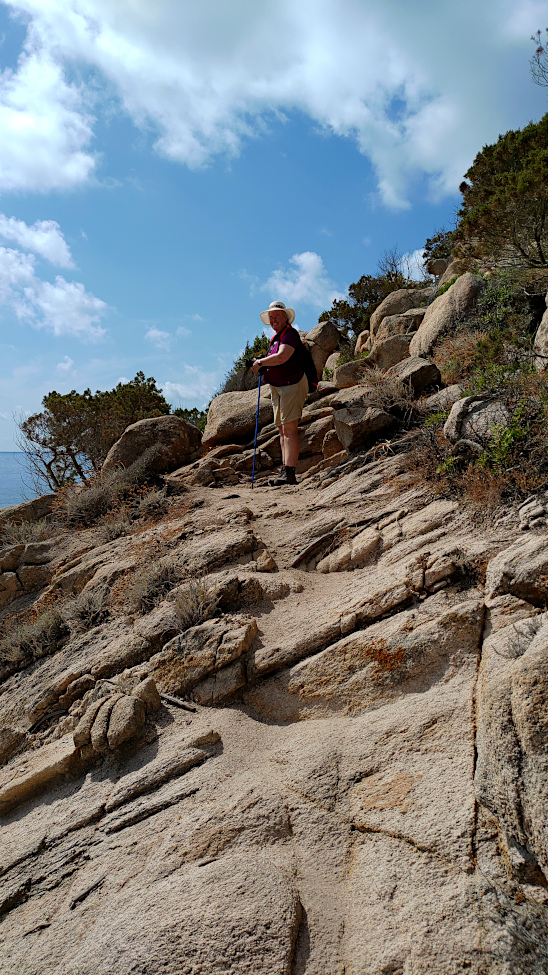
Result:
282,368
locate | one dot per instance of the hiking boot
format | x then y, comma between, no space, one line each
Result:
286,476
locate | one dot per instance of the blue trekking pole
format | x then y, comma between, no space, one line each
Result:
256,431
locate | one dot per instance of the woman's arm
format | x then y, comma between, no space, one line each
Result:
277,359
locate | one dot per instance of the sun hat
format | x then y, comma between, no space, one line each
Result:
277,306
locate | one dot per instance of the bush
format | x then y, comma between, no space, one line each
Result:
150,584
21,532
69,440
87,610
84,504
35,638
240,377
193,603
504,215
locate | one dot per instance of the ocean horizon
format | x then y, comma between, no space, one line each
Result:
15,481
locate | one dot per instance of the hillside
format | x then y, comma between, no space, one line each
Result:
301,730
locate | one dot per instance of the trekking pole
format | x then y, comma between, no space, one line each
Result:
256,432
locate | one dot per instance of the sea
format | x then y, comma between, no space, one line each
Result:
15,482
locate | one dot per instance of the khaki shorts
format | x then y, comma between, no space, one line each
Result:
288,401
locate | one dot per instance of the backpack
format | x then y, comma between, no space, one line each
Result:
306,362
310,371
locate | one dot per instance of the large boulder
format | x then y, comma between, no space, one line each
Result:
396,303
332,361
387,352
325,335
360,425
408,321
446,311
322,340
541,342
475,418
27,511
437,266
171,440
417,372
231,417
351,373
454,269
443,399
363,342
521,570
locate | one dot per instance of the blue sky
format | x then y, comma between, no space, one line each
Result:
167,169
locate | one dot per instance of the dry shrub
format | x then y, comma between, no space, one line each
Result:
194,603
43,628
34,638
154,504
149,585
87,610
389,393
83,504
113,526
456,356
21,532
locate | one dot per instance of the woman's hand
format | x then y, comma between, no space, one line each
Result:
256,365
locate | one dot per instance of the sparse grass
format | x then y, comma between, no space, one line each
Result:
391,394
44,628
19,533
87,610
194,603
35,638
150,584
84,504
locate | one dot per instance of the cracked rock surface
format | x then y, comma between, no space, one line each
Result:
320,750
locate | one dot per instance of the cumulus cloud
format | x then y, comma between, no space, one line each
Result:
160,339
306,282
196,385
44,238
185,332
198,77
44,127
66,364
63,308
412,264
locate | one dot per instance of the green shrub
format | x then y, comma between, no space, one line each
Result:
445,287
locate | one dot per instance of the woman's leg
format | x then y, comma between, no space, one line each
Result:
282,441
289,439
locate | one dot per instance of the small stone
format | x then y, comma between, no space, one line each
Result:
147,692
265,562
127,720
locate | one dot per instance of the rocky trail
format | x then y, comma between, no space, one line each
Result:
317,811
298,731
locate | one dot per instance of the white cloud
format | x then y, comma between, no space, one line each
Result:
66,364
412,264
195,386
306,283
160,339
185,332
44,127
203,79
66,308
63,308
44,238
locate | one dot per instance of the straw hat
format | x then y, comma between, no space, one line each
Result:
278,306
